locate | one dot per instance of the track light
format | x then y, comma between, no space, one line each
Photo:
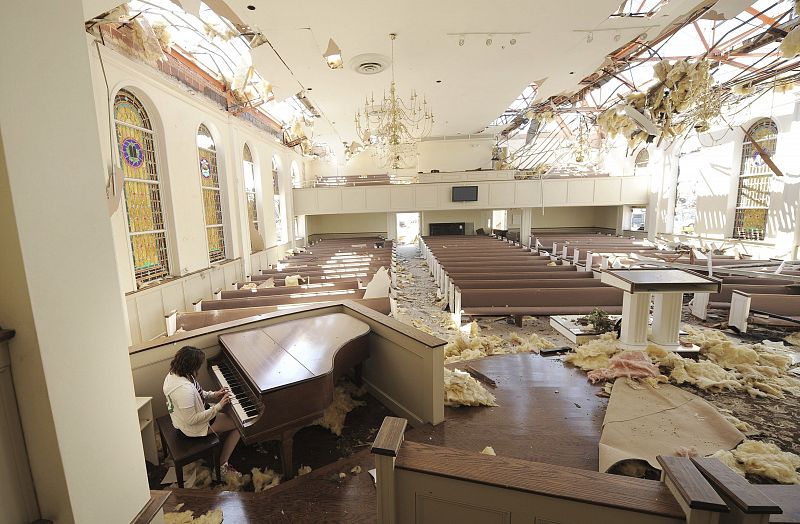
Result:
461,41
589,38
489,40
333,55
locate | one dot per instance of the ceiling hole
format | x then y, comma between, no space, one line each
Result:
251,7
572,72
438,81
309,89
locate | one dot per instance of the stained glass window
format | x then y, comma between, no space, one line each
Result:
280,211
755,180
212,195
146,225
249,168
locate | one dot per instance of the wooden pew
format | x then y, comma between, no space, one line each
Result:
279,300
536,302
529,283
722,300
772,310
188,321
283,290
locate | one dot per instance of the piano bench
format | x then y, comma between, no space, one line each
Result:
185,450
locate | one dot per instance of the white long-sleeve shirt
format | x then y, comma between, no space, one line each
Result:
186,406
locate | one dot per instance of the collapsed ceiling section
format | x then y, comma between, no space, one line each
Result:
697,73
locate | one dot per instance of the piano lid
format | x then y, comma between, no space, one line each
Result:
276,356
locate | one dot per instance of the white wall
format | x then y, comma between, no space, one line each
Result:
587,216
347,223
60,288
176,113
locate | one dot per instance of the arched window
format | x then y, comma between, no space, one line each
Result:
212,195
146,224
296,181
641,162
249,168
280,211
755,177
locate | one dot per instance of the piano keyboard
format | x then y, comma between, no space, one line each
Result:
242,405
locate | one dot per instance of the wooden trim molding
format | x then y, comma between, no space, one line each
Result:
390,437
590,487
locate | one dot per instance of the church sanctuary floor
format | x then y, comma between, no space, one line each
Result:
547,412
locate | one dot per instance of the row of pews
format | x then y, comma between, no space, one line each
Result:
490,276
329,270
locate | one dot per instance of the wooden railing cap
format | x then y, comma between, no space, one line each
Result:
691,485
389,437
747,497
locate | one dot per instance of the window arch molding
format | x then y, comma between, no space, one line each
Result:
211,173
251,184
279,202
146,204
641,161
755,180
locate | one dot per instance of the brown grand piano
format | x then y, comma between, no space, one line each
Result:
282,376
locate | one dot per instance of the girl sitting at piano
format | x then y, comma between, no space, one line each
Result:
186,403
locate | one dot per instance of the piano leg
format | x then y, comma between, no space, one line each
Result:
287,443
358,370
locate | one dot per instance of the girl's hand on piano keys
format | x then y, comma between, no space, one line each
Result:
217,395
226,398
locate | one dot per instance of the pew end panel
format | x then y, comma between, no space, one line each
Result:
740,310
404,371
419,483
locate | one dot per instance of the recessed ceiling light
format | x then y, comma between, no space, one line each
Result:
251,7
489,41
513,41
461,41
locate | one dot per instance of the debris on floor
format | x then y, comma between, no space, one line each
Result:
763,459
460,389
303,470
343,403
264,480
213,516
489,450
355,470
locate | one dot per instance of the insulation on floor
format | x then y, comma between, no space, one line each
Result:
764,459
628,364
343,403
595,354
643,423
489,450
213,516
460,389
264,480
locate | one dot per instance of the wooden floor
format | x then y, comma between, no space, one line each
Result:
547,412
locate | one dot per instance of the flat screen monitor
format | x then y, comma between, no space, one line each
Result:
465,194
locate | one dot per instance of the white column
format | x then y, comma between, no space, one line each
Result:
635,317
391,226
525,226
61,292
667,308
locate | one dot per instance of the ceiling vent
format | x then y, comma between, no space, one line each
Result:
369,63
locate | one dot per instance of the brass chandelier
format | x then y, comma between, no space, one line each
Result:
393,127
